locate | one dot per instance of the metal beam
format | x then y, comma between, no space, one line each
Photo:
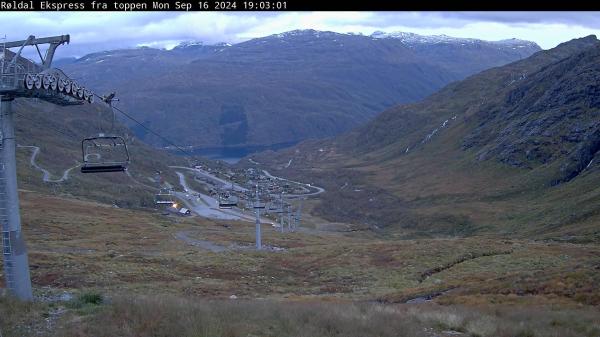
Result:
59,39
54,42
16,264
257,209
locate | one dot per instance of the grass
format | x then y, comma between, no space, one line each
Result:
450,229
90,246
116,258
168,315
86,299
59,139
460,182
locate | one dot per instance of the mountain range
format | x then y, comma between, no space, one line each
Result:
283,88
58,131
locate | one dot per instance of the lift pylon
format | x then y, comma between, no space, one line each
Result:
20,77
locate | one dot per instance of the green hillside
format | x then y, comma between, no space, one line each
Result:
508,151
58,132
282,88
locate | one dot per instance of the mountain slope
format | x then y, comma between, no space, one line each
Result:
510,150
58,132
286,87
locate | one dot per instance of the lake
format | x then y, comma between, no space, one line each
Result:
232,154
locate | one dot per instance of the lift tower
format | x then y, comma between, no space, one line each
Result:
20,77
257,207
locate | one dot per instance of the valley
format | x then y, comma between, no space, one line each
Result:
406,185
317,83
85,247
486,155
79,247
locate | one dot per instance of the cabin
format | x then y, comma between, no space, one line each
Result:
179,211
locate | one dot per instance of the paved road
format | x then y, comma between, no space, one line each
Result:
46,177
237,187
319,189
206,206
214,178
202,205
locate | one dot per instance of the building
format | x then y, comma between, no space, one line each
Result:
179,211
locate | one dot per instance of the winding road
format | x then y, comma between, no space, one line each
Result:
212,177
206,206
309,186
237,187
46,177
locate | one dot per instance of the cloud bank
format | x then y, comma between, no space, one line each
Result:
110,30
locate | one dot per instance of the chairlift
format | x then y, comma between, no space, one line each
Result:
164,197
259,204
279,208
104,153
227,201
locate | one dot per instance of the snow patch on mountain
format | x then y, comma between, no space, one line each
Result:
412,38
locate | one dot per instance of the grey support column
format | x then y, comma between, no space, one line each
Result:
257,209
16,264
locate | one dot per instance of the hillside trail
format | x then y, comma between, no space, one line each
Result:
46,175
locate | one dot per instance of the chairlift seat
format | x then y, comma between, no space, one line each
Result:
113,148
102,168
164,198
227,204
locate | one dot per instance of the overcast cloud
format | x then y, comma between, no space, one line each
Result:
92,32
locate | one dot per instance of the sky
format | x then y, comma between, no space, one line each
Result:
92,32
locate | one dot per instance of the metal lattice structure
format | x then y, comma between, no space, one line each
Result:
20,77
258,205
6,246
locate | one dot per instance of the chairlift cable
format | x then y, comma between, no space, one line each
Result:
150,130
64,133
112,121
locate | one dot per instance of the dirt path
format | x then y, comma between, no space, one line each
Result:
140,183
216,248
204,244
470,256
46,177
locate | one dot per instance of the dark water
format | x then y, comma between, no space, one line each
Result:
233,154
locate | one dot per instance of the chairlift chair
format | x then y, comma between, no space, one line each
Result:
164,197
259,205
280,208
228,199
104,153
226,202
